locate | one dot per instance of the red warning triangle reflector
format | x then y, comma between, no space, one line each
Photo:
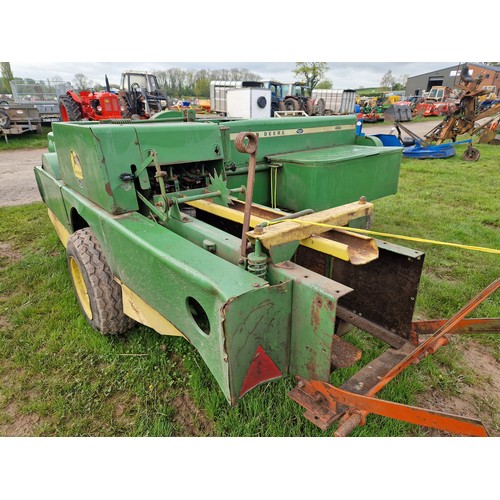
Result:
262,369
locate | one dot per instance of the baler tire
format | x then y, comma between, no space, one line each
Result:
4,119
69,109
99,295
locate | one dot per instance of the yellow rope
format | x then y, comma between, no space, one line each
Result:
386,235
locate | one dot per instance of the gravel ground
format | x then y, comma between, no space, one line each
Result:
17,179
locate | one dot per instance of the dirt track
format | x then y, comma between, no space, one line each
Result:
17,179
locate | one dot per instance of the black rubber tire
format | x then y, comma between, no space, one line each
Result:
104,293
126,113
320,107
471,154
309,108
291,104
69,109
4,119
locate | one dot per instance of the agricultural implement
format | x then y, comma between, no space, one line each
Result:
420,148
464,119
234,235
464,116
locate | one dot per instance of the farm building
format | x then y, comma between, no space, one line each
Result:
449,76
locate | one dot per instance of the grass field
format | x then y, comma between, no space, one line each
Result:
60,378
26,140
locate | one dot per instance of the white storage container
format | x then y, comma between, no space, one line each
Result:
249,103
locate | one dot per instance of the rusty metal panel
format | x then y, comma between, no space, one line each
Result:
344,354
312,318
385,290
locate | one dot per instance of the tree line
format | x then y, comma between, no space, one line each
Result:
180,82
176,81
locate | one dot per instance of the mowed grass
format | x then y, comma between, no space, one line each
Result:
60,378
30,140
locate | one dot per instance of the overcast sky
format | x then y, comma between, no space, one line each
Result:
227,31
342,74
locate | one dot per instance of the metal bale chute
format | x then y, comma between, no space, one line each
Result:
248,238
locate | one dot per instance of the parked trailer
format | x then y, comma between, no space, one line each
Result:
16,119
218,93
43,96
337,102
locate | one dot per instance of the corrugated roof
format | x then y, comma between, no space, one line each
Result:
479,65
486,66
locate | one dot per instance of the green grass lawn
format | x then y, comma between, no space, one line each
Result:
30,140
60,378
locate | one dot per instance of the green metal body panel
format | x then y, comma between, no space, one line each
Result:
126,182
97,176
368,140
291,134
50,191
260,319
313,316
261,190
50,165
335,176
106,151
167,270
282,136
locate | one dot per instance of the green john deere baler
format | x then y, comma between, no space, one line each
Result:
229,233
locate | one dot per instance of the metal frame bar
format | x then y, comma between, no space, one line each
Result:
325,403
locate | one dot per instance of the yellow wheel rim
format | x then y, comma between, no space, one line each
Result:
80,287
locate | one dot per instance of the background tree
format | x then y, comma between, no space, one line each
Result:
177,82
202,87
398,86
325,84
388,80
312,72
81,82
7,76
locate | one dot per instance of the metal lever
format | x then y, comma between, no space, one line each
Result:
246,142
